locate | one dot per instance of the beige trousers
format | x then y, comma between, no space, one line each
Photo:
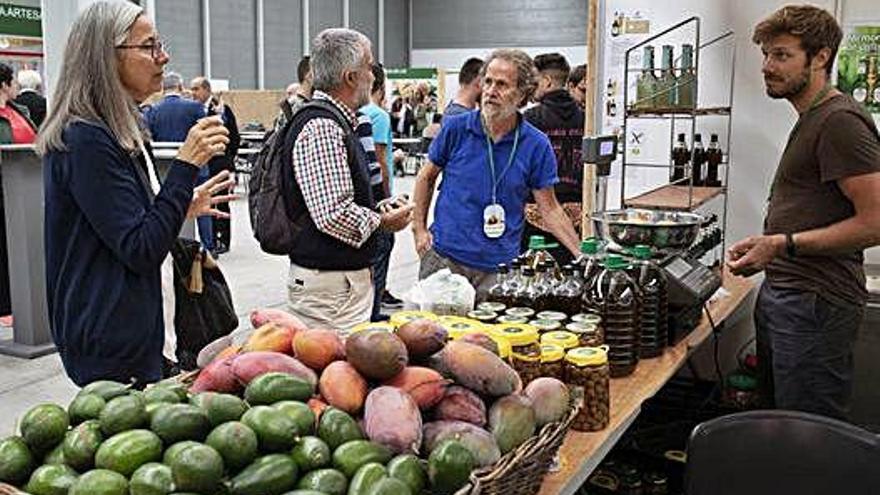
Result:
330,299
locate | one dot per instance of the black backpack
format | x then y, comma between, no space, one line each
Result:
275,220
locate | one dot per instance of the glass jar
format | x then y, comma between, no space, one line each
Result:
588,335
497,307
553,361
484,317
456,326
525,352
400,318
552,315
520,312
587,373
546,325
562,338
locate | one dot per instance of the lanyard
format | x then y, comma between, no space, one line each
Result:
489,150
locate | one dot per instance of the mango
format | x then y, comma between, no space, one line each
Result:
422,338
217,377
480,442
377,355
269,337
281,318
392,419
317,405
550,399
479,369
250,365
318,348
343,387
512,421
481,339
460,404
424,385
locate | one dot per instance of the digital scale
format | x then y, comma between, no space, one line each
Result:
690,284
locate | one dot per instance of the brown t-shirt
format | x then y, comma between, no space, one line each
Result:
832,141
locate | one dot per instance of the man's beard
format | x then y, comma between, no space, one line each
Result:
791,88
497,112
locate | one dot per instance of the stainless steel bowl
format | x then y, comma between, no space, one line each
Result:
656,228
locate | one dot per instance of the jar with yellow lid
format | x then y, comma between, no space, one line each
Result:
562,338
504,347
495,307
587,333
525,352
483,316
546,325
375,325
587,372
552,315
511,320
456,326
402,317
552,361
520,312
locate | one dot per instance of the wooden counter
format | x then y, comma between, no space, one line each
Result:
582,452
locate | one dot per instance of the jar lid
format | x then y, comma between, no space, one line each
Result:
523,312
581,328
743,382
551,353
492,306
566,340
482,315
456,326
552,315
587,318
509,319
504,347
546,325
586,356
378,325
516,333
401,317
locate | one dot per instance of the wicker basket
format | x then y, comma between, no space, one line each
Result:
522,471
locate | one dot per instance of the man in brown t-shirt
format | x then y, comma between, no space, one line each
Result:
823,211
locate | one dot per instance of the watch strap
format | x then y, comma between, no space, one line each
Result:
790,246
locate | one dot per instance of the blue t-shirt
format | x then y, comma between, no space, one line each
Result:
461,151
382,135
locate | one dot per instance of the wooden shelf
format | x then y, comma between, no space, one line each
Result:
663,113
582,452
673,197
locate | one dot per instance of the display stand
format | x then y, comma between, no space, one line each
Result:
22,179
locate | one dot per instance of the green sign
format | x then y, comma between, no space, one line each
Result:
16,20
858,66
412,73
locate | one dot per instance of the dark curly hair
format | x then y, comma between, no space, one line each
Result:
6,74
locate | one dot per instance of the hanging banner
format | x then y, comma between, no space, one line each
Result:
858,66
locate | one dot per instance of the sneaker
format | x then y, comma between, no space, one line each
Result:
390,301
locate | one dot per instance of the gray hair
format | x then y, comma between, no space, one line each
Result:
172,80
203,83
335,51
88,86
29,79
526,73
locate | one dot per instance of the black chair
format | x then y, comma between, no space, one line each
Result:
781,453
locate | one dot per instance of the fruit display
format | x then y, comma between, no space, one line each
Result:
291,410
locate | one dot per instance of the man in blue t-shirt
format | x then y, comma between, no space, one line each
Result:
491,160
469,85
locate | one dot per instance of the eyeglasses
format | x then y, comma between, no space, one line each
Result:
157,48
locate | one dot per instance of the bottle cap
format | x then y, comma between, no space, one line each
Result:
698,137
536,242
615,262
642,252
590,246
528,271
587,356
714,138
503,268
681,137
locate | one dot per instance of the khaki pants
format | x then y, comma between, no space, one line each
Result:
330,299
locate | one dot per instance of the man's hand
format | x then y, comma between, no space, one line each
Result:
396,219
424,240
203,202
751,255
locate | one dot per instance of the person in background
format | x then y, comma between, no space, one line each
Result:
170,120
823,211
433,128
469,84
577,84
291,90
30,95
490,159
330,282
298,94
558,116
109,223
15,128
201,91
381,126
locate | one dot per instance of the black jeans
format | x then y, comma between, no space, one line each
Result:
385,243
805,350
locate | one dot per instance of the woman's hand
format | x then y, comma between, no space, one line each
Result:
203,201
206,139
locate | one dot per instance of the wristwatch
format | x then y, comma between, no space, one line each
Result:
790,247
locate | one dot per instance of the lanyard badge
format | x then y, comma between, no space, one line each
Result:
494,216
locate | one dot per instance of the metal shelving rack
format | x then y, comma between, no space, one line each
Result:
682,195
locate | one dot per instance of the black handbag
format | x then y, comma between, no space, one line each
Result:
203,309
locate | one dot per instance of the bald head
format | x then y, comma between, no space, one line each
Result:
201,89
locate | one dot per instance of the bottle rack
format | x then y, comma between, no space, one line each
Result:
681,195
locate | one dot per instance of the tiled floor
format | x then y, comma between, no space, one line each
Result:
255,279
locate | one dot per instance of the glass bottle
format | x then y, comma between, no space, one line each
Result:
687,79
873,79
860,87
567,295
614,295
525,295
543,287
653,302
647,84
699,158
714,156
666,96
680,159
515,282
498,291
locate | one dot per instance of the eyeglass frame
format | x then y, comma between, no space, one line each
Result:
157,48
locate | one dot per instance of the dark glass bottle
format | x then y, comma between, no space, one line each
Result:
525,295
653,302
567,296
714,157
680,159
498,292
699,159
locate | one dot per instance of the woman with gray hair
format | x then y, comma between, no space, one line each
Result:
109,224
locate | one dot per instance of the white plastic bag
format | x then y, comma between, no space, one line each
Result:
443,293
